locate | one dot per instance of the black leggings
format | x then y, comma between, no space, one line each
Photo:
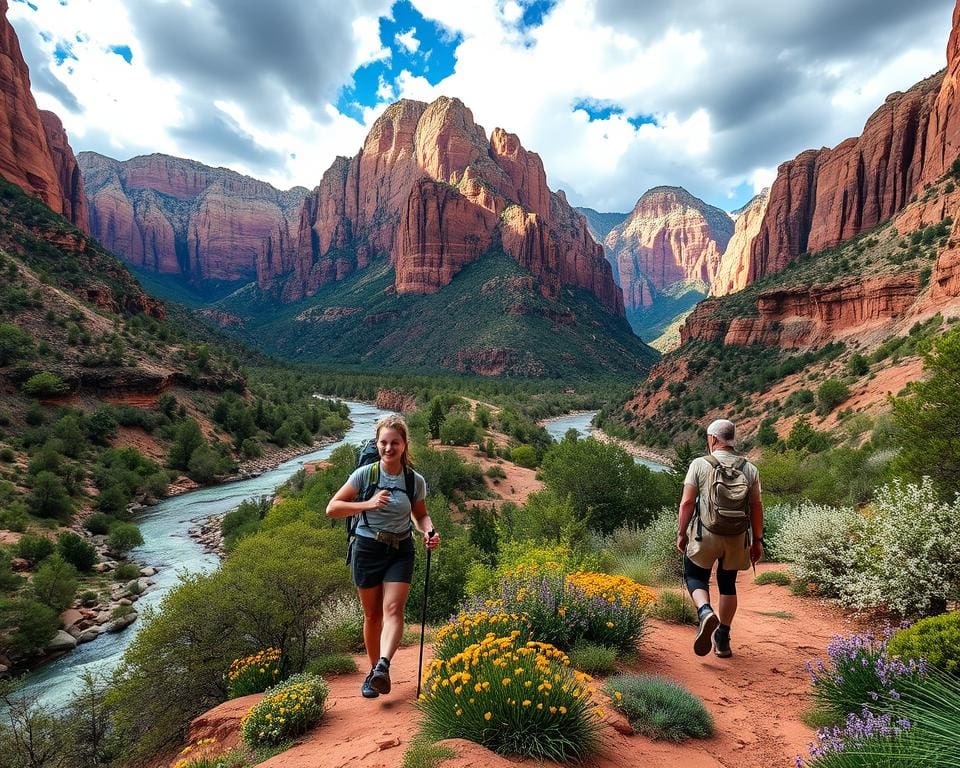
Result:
699,578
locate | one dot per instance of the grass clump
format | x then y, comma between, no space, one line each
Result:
674,607
424,754
659,708
597,660
780,578
332,664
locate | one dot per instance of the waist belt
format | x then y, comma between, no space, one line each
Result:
393,539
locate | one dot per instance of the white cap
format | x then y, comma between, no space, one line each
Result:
724,430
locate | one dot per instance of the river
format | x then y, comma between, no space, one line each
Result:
168,547
557,428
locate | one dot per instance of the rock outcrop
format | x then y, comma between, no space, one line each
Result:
669,237
799,317
179,217
825,196
735,262
431,193
34,151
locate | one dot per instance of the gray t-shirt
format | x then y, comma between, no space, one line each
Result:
395,516
700,470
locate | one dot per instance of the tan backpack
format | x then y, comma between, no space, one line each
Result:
726,510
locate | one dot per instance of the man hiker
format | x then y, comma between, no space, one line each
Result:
721,521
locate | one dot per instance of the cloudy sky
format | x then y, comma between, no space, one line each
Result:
616,95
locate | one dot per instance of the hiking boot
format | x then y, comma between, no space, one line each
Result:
380,676
367,690
721,643
708,625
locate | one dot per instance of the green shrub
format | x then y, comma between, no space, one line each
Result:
595,660
289,709
124,537
495,471
7,455
340,628
55,583
30,624
126,572
649,555
545,518
99,524
253,673
819,542
780,578
424,754
44,384
831,393
659,708
513,698
48,496
34,548
674,607
330,664
15,344
935,639
458,430
524,456
79,553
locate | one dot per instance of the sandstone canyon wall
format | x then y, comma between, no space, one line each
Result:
34,151
669,237
732,273
431,193
180,217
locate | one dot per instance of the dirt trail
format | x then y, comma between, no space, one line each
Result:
756,698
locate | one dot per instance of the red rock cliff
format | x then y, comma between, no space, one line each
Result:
430,193
180,217
34,151
735,262
826,196
670,236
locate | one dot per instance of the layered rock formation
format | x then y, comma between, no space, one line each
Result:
798,317
179,217
669,237
430,193
732,274
825,196
34,151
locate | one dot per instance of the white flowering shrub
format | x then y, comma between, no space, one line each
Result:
908,560
820,542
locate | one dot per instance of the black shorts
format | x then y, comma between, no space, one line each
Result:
373,562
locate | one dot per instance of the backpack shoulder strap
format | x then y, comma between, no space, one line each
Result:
712,460
742,463
410,481
375,473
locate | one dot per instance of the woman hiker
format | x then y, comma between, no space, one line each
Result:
382,550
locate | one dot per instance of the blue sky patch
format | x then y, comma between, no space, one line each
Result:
63,51
534,13
431,56
637,120
598,109
27,3
123,51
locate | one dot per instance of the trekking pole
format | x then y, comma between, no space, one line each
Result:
423,613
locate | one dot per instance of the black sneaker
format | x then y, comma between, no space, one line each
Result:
708,624
721,644
367,689
380,677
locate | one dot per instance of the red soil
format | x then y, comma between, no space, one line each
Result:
756,698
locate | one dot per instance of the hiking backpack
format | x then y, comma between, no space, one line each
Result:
726,510
370,455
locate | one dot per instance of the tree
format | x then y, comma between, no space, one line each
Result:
31,624
831,393
604,483
75,550
34,548
767,434
55,583
858,364
48,497
186,440
15,344
438,415
524,456
928,417
124,537
458,430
